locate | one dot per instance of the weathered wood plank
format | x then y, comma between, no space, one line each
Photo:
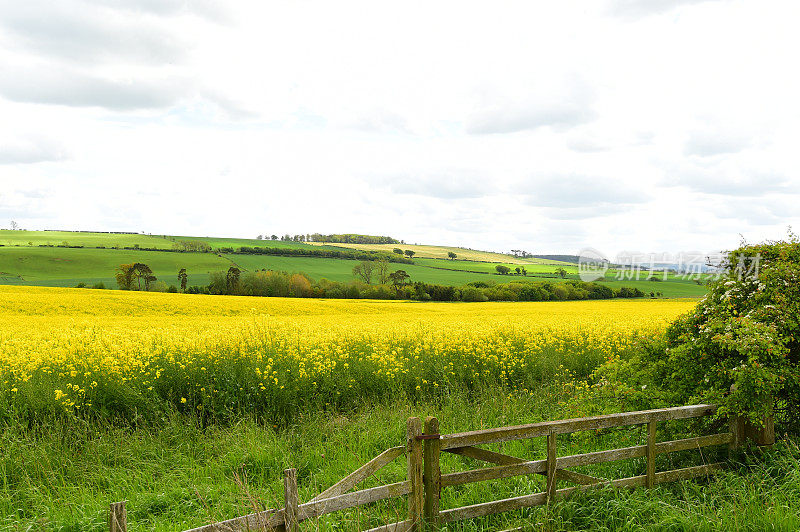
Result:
650,453
314,509
575,460
552,479
578,478
563,426
493,507
292,499
117,517
492,473
432,473
401,526
688,472
268,519
736,426
536,499
416,497
599,457
693,443
485,455
361,474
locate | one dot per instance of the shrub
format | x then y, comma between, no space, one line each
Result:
745,332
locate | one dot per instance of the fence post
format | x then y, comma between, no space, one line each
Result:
415,464
291,499
763,434
737,432
118,517
432,474
650,480
551,467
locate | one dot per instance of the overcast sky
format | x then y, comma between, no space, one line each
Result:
660,125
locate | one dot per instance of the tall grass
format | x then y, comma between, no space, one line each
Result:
180,475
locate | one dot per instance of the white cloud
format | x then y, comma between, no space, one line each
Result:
547,127
18,150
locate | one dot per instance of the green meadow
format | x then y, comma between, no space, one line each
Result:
40,258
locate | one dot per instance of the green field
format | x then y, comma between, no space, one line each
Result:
490,267
55,266
117,240
73,238
440,252
68,266
44,263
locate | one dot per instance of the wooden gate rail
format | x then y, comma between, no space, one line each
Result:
554,467
424,479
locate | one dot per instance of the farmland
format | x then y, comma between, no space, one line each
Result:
166,347
53,258
184,405
440,252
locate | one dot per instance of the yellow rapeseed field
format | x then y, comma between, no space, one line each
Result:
124,354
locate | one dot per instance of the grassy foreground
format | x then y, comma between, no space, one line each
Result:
178,475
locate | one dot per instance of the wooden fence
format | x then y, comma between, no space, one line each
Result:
424,481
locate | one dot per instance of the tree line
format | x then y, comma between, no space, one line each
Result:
390,285
321,253
344,238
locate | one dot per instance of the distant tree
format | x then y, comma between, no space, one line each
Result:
451,255
382,269
273,237
561,272
502,269
524,271
398,251
399,279
232,279
183,278
363,270
409,253
518,270
142,272
260,237
125,276
14,225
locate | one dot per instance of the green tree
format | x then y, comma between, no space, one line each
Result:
451,255
363,271
409,253
502,269
382,269
398,251
142,272
183,278
561,272
125,276
518,270
399,279
232,280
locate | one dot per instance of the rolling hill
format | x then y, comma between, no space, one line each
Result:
64,258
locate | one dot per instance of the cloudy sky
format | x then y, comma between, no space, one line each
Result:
654,125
